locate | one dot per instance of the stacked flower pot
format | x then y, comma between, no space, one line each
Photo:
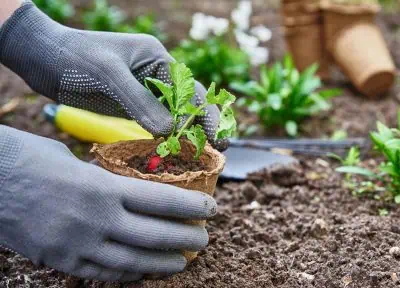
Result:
357,45
304,34
342,32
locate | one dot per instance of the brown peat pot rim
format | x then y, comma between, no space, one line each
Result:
112,157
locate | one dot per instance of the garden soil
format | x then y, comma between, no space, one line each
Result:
288,227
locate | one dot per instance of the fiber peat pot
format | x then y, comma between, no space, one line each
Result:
362,54
340,16
115,158
306,53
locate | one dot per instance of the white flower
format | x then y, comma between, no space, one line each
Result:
241,15
219,26
245,40
262,33
203,25
199,30
258,55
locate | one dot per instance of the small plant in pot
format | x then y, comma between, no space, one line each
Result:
184,159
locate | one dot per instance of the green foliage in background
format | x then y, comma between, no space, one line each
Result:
104,17
387,144
213,60
284,96
58,10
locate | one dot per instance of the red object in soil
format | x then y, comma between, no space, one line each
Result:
154,161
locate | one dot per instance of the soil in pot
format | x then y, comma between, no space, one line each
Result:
154,164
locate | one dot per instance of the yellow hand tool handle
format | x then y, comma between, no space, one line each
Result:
91,127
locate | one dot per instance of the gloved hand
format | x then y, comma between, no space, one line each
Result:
97,71
83,220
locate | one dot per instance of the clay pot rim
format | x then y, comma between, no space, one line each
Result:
293,31
307,7
188,176
350,8
340,33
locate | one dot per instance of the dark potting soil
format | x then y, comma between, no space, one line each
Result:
290,227
171,164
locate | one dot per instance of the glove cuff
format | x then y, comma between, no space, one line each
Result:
30,46
10,147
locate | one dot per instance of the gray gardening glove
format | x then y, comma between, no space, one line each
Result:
83,220
97,71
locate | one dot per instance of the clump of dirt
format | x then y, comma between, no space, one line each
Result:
153,164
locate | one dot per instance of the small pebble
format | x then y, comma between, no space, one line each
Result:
319,228
306,276
395,251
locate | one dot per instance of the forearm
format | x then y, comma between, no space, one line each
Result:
7,8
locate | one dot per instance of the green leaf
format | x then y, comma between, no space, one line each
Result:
184,84
383,212
165,89
190,109
326,94
384,132
197,136
163,149
353,157
393,144
356,170
171,146
397,199
336,157
274,101
339,135
288,62
291,128
244,88
224,98
264,77
227,124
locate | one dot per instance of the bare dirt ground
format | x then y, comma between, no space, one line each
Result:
307,231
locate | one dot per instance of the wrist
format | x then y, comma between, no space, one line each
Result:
7,8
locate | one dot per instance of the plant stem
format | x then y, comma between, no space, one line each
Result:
190,119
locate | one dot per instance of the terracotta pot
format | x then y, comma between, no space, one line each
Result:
361,52
306,45
301,8
114,157
339,16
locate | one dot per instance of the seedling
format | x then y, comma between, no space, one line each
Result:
58,10
284,96
177,96
387,143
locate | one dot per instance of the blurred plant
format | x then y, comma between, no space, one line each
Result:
213,60
103,17
211,53
58,10
339,135
387,143
111,18
145,24
284,97
352,158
